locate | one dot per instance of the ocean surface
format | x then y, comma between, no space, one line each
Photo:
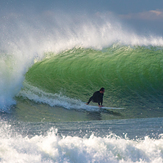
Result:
48,71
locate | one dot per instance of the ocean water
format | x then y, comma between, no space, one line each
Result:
48,71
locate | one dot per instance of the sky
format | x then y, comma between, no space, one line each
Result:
141,15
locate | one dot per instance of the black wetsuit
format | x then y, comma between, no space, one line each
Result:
97,97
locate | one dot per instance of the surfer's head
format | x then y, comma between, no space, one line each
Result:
102,90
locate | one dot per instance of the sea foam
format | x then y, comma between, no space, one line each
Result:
52,147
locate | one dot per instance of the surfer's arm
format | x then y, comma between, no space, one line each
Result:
99,104
102,100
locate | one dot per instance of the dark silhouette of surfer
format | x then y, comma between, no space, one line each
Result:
97,97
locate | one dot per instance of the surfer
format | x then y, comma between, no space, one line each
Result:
97,97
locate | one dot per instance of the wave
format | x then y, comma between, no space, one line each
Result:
24,41
132,76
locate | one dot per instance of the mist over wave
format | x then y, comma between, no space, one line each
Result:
27,39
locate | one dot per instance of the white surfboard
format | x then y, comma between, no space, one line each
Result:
102,108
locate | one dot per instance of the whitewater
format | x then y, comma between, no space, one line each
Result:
48,70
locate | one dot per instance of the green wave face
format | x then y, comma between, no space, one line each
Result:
131,76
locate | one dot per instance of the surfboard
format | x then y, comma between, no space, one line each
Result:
102,108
